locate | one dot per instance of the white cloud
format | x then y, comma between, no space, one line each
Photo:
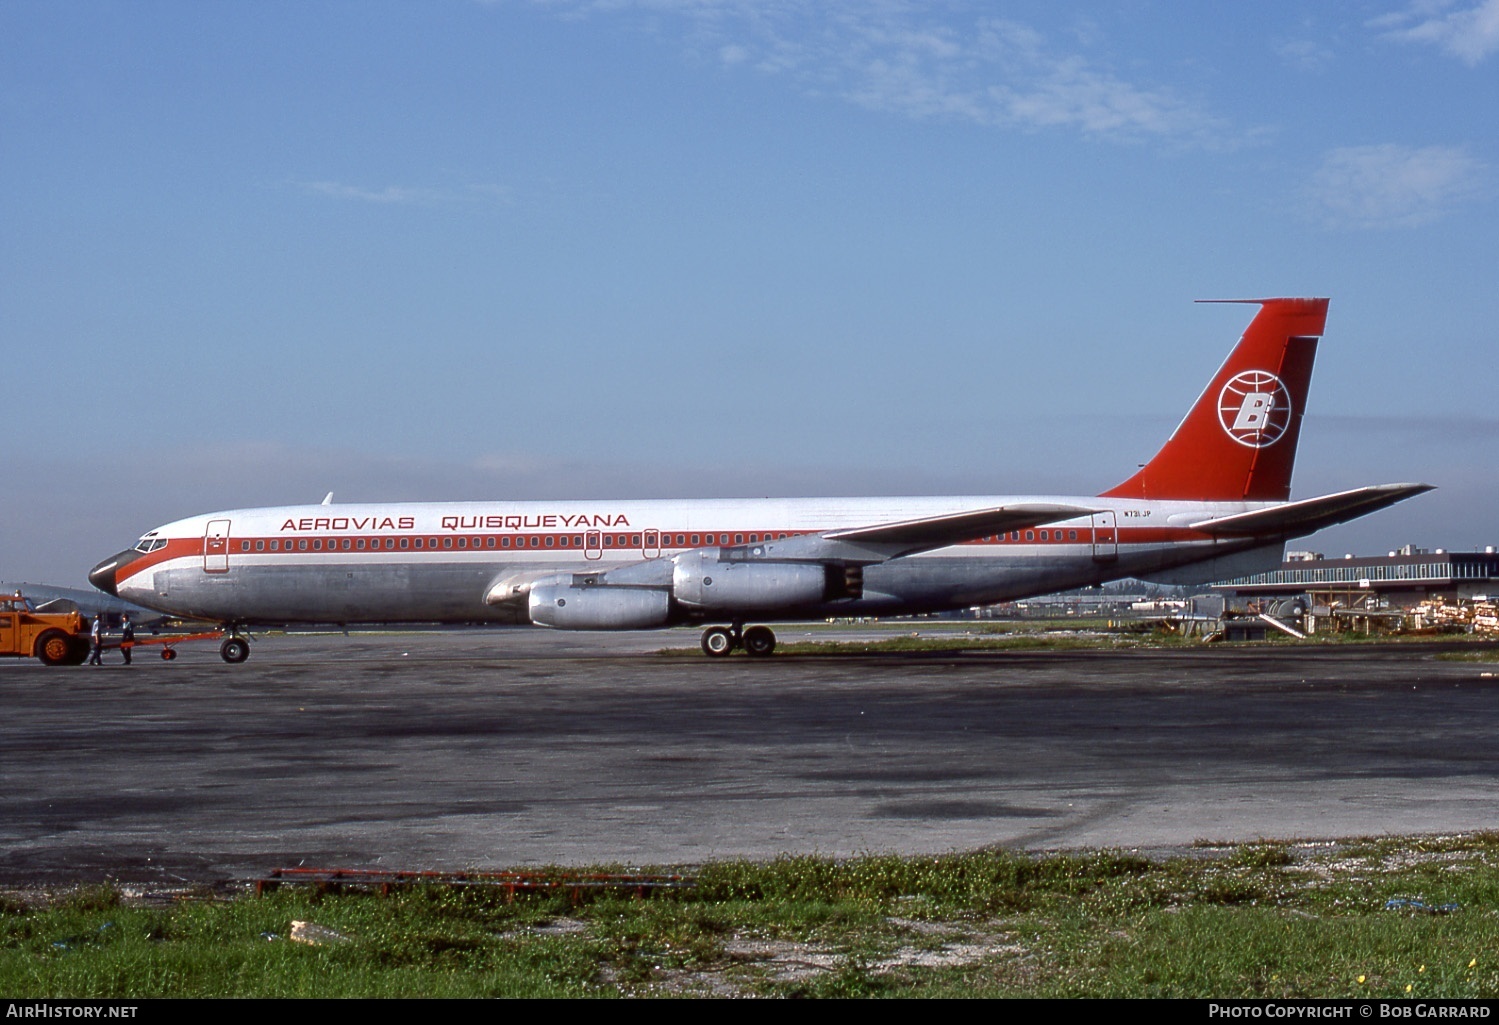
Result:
1304,54
1470,33
396,195
1069,93
389,194
931,61
1391,186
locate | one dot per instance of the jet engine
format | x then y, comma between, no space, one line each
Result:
720,583
704,582
593,607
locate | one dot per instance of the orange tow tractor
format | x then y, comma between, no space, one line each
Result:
57,638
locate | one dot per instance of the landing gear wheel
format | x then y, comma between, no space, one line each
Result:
167,654
717,641
234,650
759,641
54,647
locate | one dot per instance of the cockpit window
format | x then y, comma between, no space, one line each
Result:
150,543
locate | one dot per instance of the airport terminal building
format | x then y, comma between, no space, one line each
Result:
1400,579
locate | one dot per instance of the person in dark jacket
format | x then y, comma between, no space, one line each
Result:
127,636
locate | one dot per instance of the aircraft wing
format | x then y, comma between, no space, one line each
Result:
908,536
1296,518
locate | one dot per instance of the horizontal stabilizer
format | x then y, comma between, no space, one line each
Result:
955,528
1296,518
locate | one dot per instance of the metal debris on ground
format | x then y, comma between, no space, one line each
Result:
1477,616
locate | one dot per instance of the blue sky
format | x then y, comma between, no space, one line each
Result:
253,252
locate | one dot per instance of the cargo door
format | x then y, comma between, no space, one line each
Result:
216,547
1105,536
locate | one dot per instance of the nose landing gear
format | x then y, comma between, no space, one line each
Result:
235,648
757,641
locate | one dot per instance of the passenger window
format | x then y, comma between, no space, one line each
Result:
405,543
694,539
1030,535
260,546
302,544
550,540
244,546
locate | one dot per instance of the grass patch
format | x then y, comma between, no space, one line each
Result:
1484,654
1258,920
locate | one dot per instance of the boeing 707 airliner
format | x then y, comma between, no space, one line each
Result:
1213,503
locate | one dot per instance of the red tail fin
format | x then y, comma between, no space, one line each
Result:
1239,440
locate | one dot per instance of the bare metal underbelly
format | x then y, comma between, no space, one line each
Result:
453,592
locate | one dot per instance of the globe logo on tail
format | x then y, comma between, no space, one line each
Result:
1254,408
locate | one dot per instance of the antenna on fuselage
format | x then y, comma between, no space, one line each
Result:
327,499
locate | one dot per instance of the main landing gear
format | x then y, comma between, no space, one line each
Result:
757,641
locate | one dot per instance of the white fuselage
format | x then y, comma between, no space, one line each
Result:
441,562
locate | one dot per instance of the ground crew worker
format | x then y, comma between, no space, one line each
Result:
127,636
96,636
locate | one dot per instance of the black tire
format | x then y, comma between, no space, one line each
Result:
234,650
718,642
167,654
54,647
79,654
759,641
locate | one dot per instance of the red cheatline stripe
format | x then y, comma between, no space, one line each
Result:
616,543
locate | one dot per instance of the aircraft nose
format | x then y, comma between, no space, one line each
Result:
105,575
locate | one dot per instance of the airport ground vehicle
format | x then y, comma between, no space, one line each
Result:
57,638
